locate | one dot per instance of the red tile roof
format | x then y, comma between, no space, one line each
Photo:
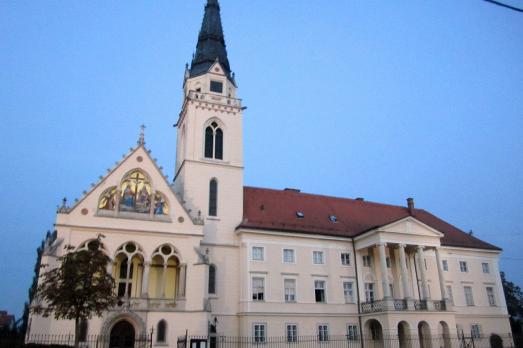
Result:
275,210
6,320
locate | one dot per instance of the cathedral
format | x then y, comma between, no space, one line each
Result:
205,255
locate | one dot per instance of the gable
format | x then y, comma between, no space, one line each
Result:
133,195
217,68
411,226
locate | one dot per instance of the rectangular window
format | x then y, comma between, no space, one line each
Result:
292,333
317,258
348,292
258,289
323,333
391,289
449,294
475,331
290,290
367,261
425,262
369,292
216,86
486,268
387,261
490,296
469,298
257,253
445,265
463,267
352,332
288,256
345,259
319,291
259,333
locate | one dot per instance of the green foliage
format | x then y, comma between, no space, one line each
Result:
514,298
78,288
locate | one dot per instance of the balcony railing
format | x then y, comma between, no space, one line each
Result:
440,305
215,98
420,305
399,305
371,307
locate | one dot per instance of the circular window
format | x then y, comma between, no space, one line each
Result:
130,248
166,250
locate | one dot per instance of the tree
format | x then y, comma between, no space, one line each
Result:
78,288
514,298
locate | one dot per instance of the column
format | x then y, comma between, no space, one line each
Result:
441,276
127,275
421,266
181,283
152,204
117,202
110,266
164,278
404,275
145,279
384,272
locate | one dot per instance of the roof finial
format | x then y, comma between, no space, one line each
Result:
141,140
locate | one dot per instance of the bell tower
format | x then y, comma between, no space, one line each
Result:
209,152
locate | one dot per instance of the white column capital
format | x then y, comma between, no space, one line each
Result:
402,246
381,244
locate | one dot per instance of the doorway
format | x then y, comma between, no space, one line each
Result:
122,335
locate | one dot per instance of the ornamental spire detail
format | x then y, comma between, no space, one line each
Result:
211,42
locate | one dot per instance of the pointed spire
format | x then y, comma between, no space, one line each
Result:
211,42
141,139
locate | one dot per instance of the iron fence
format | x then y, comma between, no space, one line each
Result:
499,341
67,340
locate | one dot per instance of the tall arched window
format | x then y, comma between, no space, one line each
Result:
213,197
161,333
214,141
212,279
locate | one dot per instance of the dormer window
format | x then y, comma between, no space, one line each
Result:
214,141
217,87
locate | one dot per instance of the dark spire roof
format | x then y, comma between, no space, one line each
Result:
211,42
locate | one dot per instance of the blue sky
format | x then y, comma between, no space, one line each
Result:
375,99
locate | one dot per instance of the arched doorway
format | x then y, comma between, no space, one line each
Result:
496,341
404,334
425,339
373,334
122,335
444,334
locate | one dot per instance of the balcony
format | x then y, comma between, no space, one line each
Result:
402,305
215,98
151,304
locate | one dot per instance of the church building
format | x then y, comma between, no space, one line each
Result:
206,255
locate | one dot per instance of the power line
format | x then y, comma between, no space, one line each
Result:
505,5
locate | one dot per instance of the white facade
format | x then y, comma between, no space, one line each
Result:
263,278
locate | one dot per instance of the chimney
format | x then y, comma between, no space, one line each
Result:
410,205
